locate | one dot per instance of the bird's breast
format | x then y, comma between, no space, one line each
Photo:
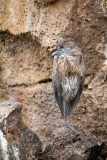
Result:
66,66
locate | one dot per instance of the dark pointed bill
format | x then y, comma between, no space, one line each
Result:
55,53
61,51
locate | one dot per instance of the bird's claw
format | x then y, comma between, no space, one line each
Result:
72,128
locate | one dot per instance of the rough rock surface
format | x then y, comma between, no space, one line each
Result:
74,146
29,32
39,101
16,140
23,62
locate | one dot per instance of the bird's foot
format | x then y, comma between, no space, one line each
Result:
62,133
72,128
69,128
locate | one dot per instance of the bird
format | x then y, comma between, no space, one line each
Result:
68,77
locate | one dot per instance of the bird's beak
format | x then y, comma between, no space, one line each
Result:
61,51
54,53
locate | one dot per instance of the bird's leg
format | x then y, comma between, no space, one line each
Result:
65,125
71,127
68,128
65,121
65,118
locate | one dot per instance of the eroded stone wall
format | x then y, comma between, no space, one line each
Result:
29,32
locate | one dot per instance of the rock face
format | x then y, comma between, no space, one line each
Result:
74,144
29,32
16,140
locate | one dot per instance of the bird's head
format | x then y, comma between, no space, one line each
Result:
61,51
65,48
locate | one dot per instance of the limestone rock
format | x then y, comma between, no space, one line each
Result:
16,140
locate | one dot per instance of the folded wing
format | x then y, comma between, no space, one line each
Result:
68,83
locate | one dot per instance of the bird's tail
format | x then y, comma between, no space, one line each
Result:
67,110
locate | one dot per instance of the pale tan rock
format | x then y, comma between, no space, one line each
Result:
23,61
87,80
44,23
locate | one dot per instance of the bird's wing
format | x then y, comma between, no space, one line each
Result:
68,85
57,88
72,84
70,77
72,103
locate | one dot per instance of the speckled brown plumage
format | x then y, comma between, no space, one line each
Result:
68,76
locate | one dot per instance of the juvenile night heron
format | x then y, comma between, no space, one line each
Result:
68,77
